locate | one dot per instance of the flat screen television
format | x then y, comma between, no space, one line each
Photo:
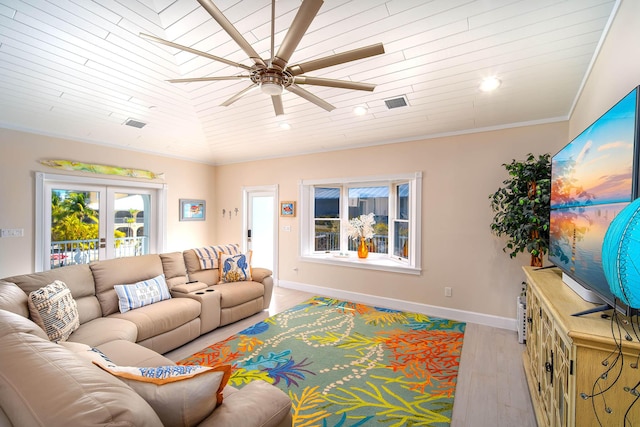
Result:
592,179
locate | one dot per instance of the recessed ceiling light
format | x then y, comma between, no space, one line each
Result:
285,126
489,84
360,110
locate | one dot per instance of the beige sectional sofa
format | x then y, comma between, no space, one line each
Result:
43,382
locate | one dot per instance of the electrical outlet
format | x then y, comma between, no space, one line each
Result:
447,291
12,232
286,228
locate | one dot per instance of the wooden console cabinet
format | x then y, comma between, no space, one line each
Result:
565,355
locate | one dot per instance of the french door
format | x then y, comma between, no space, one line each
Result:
80,220
261,225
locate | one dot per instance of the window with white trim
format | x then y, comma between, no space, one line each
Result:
394,200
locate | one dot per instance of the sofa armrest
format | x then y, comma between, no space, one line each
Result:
259,274
257,404
185,288
209,306
263,275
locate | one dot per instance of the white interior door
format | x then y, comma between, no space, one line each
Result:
260,226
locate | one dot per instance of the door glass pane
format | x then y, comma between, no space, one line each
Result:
327,219
74,227
131,224
262,231
365,200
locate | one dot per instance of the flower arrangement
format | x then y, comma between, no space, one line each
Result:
361,227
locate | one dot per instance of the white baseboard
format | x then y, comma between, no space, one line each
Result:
397,304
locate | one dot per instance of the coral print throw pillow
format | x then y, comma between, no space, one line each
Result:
235,268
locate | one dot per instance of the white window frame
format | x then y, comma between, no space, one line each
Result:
43,208
385,262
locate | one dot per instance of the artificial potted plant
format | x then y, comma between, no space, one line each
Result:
521,207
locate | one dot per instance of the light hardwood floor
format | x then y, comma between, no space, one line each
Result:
491,390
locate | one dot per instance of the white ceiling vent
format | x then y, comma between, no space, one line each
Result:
397,102
135,123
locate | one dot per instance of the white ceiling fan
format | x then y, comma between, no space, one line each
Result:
274,75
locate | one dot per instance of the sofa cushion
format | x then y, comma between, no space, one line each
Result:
13,299
126,353
232,295
43,383
111,272
12,323
142,293
163,316
53,309
105,329
175,271
260,403
120,352
235,268
78,279
194,271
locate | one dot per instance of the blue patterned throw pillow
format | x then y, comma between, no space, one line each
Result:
235,268
142,293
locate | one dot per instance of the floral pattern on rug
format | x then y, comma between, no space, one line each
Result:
345,364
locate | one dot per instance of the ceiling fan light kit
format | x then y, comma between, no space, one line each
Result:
274,75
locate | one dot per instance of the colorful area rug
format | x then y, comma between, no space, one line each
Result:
345,364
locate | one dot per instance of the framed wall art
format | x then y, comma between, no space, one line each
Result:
192,210
288,209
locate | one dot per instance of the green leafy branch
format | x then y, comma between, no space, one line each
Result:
388,404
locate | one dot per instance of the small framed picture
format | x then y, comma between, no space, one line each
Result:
288,209
192,210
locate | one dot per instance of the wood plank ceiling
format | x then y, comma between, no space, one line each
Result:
78,69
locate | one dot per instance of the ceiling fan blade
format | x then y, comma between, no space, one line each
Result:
340,58
208,79
277,104
304,17
273,30
344,84
232,31
239,95
194,51
310,97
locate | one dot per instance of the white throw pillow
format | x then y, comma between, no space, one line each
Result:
142,293
181,395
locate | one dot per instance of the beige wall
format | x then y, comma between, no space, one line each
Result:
20,154
616,70
458,249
